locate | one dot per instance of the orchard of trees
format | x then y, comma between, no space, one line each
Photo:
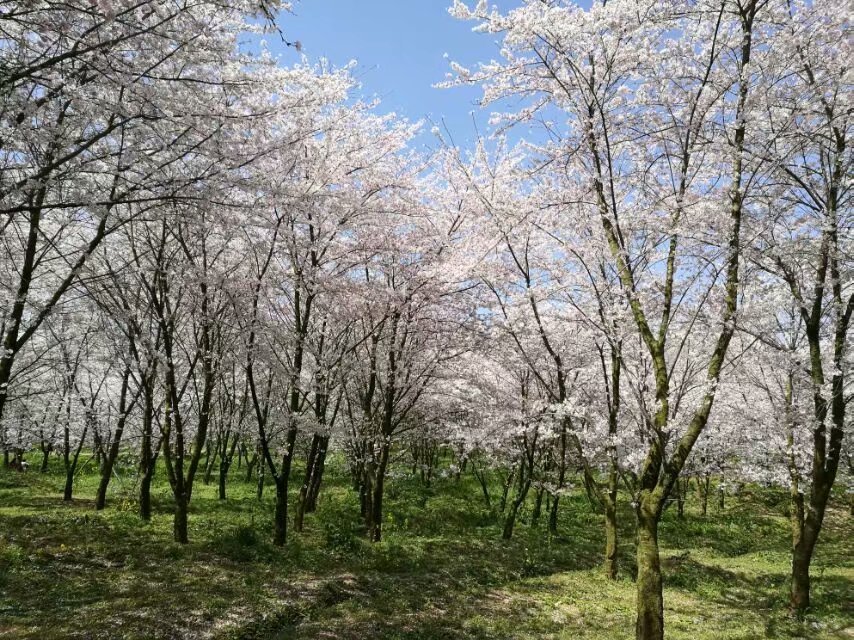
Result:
211,261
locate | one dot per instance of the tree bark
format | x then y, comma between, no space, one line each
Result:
113,453
650,601
611,527
375,530
280,536
306,483
179,525
317,476
145,496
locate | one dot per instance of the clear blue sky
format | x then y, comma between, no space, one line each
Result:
399,46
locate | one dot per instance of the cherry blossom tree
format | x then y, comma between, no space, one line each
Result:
651,108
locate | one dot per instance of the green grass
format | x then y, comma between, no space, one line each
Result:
442,571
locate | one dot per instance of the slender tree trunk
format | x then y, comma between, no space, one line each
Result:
148,458
611,526
281,515
306,483
538,506
680,500
113,453
210,461
510,520
703,489
250,466
260,484
69,484
223,475
561,479
317,476
553,512
145,496
650,601
179,525
521,494
508,482
71,466
366,495
484,485
379,487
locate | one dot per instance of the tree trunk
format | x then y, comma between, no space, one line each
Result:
250,466
210,461
508,482
69,484
799,599
148,461
650,601
510,520
375,531
703,488
538,506
179,526
480,475
522,493
113,452
280,536
317,476
553,514
306,483
260,483
145,496
611,526
223,475
71,466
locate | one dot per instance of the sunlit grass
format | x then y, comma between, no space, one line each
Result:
442,571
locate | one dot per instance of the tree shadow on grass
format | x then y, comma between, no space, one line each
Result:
764,594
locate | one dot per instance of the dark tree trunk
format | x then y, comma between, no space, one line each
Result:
553,512
210,461
69,485
306,483
280,536
223,476
508,482
523,486
317,476
481,476
145,496
538,505
650,602
376,521
250,466
179,525
71,465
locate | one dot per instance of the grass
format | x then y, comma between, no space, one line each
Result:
442,571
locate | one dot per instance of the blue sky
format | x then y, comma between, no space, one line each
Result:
399,46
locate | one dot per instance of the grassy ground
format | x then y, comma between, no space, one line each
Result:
442,571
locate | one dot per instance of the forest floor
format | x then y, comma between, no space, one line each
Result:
442,571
